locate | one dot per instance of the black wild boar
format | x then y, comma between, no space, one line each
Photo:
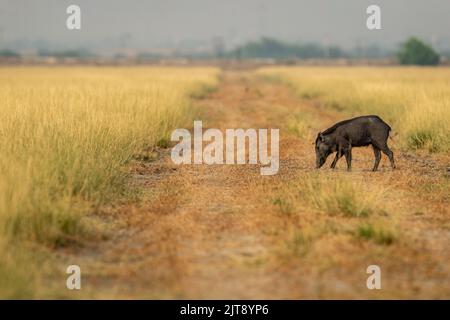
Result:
357,132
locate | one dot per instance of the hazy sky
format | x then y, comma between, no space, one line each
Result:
165,23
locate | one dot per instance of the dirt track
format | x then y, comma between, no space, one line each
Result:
214,232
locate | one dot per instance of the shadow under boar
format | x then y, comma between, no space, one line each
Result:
357,132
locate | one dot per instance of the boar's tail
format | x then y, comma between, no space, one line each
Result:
392,135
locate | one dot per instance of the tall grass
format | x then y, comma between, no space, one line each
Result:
66,135
339,195
335,195
66,138
321,206
415,101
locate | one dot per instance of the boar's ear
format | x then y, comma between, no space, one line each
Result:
320,136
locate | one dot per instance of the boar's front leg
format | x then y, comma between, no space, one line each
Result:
339,154
377,154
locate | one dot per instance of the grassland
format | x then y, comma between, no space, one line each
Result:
67,137
415,101
225,231
380,212
219,231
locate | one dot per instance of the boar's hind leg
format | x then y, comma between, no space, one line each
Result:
389,153
377,153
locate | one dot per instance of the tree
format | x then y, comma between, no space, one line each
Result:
8,54
414,51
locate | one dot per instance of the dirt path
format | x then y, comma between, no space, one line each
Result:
214,232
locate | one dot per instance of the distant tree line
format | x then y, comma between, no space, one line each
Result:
275,49
411,52
6,53
72,53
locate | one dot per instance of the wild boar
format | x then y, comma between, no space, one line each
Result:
357,132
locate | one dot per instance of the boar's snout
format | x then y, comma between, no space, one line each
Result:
319,162
323,149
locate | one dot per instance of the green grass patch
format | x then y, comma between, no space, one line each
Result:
377,234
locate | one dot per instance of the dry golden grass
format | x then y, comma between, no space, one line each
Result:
322,205
336,222
334,194
415,101
225,231
67,136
